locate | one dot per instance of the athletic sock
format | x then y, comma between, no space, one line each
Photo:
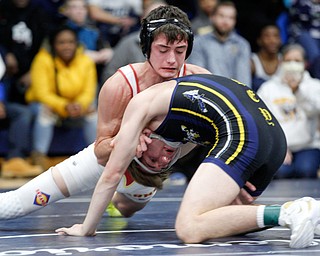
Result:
268,216
31,197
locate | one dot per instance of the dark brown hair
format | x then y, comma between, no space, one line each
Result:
147,179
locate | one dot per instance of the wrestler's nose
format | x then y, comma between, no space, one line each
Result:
171,58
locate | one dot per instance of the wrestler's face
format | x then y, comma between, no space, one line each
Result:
158,156
167,58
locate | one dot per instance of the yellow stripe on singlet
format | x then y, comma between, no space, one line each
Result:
233,109
203,117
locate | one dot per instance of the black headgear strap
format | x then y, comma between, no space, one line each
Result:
146,35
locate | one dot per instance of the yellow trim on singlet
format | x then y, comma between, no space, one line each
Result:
203,117
233,109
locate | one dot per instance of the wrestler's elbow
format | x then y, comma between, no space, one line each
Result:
102,154
101,161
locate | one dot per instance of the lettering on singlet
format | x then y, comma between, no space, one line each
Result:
267,116
252,95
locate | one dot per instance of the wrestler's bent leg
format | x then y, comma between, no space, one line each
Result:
205,211
126,206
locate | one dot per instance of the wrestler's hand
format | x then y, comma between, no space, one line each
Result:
289,157
75,230
244,197
144,142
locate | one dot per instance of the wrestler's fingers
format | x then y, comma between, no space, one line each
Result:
112,143
246,197
143,144
250,186
139,151
243,198
146,131
144,141
62,231
75,230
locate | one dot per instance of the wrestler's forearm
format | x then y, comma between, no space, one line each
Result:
102,196
100,199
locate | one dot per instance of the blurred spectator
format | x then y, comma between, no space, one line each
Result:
252,14
115,19
188,6
315,68
304,28
223,52
63,90
76,14
128,49
17,119
201,23
23,26
52,9
265,62
294,98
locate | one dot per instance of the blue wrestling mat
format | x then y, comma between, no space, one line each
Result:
149,232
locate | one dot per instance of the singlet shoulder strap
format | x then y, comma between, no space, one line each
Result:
130,76
183,70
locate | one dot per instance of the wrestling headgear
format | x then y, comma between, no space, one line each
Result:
172,144
148,29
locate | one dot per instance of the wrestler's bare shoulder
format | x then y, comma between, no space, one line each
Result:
194,69
116,84
119,78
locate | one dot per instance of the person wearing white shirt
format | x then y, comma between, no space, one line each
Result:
294,98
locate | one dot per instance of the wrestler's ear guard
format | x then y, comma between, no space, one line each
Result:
148,28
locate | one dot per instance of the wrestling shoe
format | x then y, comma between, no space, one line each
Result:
113,211
302,216
19,168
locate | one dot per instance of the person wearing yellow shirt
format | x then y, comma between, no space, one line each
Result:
63,90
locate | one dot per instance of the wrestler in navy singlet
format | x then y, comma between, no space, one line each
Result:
245,139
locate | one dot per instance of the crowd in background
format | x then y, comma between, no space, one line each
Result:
55,55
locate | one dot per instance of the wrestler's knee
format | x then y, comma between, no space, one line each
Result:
126,206
186,229
56,175
124,210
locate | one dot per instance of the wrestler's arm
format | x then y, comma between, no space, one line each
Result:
124,149
114,97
